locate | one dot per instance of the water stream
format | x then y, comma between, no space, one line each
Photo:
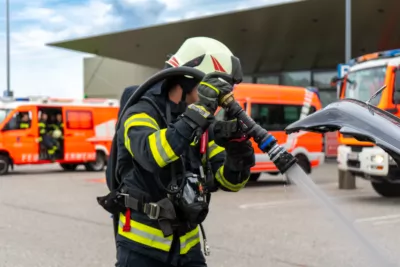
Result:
307,185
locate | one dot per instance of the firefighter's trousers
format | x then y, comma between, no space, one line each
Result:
130,258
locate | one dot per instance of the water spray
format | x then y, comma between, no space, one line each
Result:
287,164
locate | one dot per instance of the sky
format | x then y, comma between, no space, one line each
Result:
37,69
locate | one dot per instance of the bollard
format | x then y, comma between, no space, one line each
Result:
346,180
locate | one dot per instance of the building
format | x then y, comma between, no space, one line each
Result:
298,43
106,78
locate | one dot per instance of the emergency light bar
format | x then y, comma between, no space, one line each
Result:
374,56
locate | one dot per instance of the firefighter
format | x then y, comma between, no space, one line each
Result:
158,145
45,138
58,124
57,132
25,121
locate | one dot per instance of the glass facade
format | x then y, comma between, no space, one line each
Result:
268,79
320,79
297,78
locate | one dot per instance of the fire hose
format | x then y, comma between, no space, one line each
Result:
282,159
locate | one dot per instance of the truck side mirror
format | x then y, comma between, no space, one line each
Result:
334,81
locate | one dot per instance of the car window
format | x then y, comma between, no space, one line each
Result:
20,121
79,119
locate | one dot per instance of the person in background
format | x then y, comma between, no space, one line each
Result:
57,132
25,121
45,138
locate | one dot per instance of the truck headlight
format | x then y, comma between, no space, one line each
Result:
377,159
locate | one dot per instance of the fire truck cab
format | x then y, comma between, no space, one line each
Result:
365,76
86,135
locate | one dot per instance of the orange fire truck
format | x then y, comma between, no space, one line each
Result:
363,77
87,132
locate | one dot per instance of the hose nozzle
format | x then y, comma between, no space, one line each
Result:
282,159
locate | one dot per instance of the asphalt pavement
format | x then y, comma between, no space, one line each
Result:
51,218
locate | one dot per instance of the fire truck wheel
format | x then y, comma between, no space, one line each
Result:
4,164
386,189
97,165
68,167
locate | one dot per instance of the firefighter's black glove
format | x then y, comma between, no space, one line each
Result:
211,89
239,155
227,131
198,118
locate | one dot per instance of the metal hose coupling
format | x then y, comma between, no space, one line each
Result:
282,159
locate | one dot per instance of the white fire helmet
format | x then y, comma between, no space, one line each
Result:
207,55
57,134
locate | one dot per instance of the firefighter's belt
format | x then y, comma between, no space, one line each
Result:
163,211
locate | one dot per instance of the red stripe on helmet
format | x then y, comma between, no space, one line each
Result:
173,61
217,65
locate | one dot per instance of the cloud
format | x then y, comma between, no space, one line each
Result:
39,69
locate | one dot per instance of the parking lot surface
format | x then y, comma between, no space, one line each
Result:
51,218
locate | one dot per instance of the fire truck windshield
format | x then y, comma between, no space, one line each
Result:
362,84
3,114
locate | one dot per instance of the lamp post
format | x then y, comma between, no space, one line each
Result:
348,31
8,91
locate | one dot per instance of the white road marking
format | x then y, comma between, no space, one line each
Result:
378,218
272,204
262,205
387,222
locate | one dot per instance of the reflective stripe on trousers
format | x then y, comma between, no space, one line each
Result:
153,237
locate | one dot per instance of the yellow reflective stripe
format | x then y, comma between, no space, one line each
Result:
202,108
141,119
137,120
145,235
193,143
189,240
42,124
211,86
219,176
214,149
160,148
23,125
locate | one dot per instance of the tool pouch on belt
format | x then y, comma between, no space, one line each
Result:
112,202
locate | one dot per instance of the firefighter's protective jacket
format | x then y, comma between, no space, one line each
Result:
57,126
44,128
146,147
